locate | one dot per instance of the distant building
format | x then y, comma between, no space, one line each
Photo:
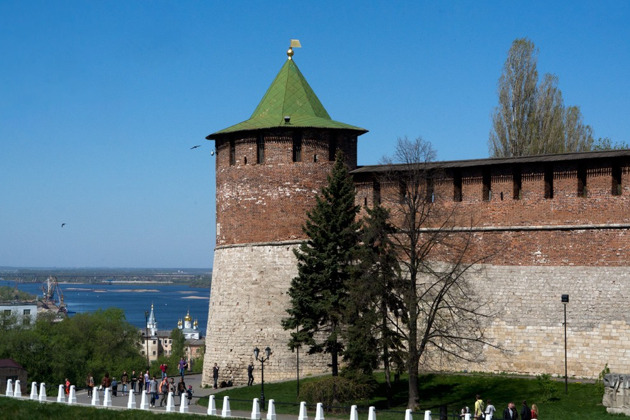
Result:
159,342
189,328
10,369
22,313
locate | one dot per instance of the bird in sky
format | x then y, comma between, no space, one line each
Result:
194,147
63,224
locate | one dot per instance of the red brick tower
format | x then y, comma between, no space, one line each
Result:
269,169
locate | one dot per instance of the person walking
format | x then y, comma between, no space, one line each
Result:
89,382
147,380
510,412
106,382
114,387
534,411
124,379
67,386
250,374
526,412
181,389
164,387
182,367
490,410
480,407
215,375
134,380
152,385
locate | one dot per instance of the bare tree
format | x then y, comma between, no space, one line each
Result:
434,253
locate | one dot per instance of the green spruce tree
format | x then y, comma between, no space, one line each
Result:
373,305
319,292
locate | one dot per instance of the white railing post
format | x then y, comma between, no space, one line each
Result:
107,397
408,415
61,394
255,410
72,396
212,408
354,414
225,410
95,397
17,391
319,412
169,402
144,403
372,413
131,402
427,415
183,403
9,391
42,392
271,411
303,415
33,390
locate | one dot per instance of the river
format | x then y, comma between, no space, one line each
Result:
171,301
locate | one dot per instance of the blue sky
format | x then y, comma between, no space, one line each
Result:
100,102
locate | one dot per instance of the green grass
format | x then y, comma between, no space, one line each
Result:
583,400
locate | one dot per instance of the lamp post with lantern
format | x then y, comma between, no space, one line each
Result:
565,300
262,359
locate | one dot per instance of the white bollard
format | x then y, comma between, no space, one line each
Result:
9,391
255,410
42,392
427,415
467,416
107,397
33,390
169,402
95,397
144,404
17,391
183,403
408,415
303,415
319,412
354,415
131,402
271,411
225,410
72,397
61,394
372,413
212,408
489,416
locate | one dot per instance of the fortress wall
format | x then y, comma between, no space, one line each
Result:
247,302
249,299
527,320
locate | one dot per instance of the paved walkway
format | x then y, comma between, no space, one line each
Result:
195,380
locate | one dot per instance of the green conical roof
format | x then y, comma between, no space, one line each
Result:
289,95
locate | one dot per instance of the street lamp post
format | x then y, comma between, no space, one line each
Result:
262,361
146,335
565,300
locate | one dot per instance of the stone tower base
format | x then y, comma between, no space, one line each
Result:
248,299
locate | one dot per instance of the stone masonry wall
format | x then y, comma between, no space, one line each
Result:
527,320
247,301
